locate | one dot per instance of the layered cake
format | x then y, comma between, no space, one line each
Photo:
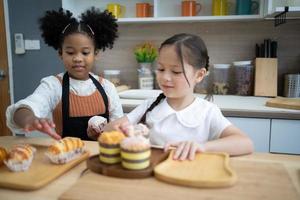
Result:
135,152
65,150
109,146
20,157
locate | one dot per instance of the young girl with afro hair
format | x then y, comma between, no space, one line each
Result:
74,96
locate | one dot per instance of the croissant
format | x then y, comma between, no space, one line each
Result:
66,144
3,155
65,150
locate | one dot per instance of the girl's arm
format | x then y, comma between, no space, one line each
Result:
26,119
232,140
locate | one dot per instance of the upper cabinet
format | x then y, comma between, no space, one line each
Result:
274,7
173,10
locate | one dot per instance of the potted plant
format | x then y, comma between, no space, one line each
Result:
145,55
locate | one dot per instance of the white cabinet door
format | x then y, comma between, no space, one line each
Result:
285,136
257,129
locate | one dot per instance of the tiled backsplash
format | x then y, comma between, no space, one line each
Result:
226,42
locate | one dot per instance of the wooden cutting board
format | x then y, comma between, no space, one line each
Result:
40,173
116,170
282,102
257,180
207,170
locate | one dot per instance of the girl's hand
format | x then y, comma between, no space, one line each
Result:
42,124
185,149
93,133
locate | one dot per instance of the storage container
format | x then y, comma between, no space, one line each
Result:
221,78
244,77
113,76
292,85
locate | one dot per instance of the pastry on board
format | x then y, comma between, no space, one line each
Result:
20,157
65,150
3,155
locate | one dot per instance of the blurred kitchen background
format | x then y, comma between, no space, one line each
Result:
227,41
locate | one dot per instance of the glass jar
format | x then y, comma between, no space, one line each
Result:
113,76
221,78
244,77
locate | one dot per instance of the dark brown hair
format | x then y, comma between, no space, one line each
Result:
189,48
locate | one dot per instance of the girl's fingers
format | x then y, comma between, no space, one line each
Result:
37,124
185,151
178,150
193,149
47,128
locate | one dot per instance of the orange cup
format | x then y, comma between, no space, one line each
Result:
143,9
190,8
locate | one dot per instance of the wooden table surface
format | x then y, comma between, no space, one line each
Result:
59,187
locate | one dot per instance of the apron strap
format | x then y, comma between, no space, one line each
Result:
65,98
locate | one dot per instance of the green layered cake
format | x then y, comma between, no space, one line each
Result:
109,147
135,153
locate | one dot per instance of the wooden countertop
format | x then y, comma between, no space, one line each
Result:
69,181
231,105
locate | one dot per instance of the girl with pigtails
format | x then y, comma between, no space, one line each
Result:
75,95
176,117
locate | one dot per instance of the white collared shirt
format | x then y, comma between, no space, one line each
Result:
201,121
48,94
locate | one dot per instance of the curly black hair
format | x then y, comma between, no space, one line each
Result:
100,26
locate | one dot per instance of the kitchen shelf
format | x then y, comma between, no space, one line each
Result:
164,11
274,7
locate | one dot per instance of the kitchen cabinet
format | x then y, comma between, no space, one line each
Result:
285,136
274,7
163,10
257,129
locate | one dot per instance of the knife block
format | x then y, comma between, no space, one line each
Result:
265,77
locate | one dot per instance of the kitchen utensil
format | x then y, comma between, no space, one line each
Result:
116,170
143,9
281,102
190,8
273,49
246,7
281,17
292,85
207,170
40,173
116,9
220,7
265,77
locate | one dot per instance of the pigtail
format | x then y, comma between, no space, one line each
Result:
155,103
53,24
103,25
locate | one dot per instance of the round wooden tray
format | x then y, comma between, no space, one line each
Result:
116,170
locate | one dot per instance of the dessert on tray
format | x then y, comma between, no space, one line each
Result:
109,146
65,150
135,152
20,157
